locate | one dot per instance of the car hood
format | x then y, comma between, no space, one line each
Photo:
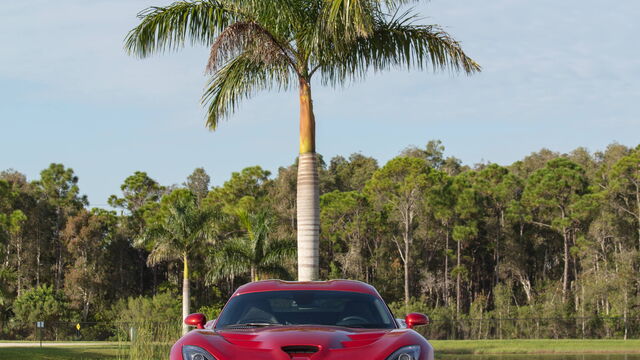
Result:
302,343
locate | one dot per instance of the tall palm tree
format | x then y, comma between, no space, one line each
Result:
180,231
259,45
255,253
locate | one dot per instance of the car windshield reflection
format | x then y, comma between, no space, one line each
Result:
306,307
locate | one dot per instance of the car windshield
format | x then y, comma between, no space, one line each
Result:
306,307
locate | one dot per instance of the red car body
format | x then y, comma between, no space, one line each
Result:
286,342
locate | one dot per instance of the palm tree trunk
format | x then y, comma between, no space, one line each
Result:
308,193
186,294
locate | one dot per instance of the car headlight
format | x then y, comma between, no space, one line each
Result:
406,353
190,352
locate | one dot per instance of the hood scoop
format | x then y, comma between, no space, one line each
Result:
300,351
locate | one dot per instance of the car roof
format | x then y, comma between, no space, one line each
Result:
331,285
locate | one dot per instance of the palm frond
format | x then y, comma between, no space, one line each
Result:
279,251
244,220
260,233
279,17
239,79
163,252
233,259
275,271
350,17
395,42
182,228
201,226
252,39
236,248
168,28
152,235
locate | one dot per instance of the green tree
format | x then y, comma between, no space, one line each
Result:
399,187
246,190
257,45
139,203
498,189
348,223
623,188
181,229
6,294
256,253
554,196
433,154
31,247
352,174
250,182
42,303
534,161
138,191
282,200
10,221
467,211
15,224
59,186
87,237
5,208
198,183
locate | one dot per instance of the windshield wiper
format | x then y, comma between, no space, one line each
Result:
251,324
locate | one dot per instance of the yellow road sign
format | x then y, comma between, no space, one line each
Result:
78,327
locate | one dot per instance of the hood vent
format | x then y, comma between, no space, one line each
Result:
307,350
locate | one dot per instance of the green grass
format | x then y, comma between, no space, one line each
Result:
536,346
442,347
61,353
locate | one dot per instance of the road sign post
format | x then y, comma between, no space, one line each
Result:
40,327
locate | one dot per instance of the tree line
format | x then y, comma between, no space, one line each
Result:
551,235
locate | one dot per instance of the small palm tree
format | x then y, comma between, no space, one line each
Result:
181,230
255,253
283,44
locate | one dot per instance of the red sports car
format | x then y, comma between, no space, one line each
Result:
283,320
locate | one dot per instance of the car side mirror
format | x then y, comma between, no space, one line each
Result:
198,320
416,319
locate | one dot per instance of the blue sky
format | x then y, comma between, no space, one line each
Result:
557,74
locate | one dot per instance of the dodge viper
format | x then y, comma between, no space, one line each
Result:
319,320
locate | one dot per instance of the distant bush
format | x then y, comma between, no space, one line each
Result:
419,305
163,307
40,304
152,324
211,312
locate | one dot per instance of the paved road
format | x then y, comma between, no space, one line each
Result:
49,344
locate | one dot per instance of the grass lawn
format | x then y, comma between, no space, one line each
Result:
442,347
60,353
536,346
